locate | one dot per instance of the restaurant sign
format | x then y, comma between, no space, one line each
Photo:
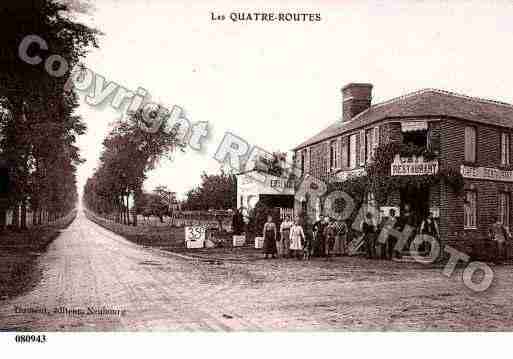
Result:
486,173
413,166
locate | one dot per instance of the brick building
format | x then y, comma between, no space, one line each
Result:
472,136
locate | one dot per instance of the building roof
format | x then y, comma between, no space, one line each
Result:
423,103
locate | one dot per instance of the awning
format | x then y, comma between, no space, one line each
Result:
414,126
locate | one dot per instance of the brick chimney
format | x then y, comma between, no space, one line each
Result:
356,98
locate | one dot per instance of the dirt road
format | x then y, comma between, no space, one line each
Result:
94,280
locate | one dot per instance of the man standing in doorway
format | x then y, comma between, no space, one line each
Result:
498,234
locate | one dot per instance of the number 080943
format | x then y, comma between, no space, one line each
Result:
27,338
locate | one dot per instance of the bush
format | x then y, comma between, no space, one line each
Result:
258,217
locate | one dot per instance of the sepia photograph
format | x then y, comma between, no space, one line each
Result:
268,166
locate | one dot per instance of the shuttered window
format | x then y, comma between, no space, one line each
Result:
303,162
352,151
345,152
333,155
470,144
339,153
505,155
369,139
504,203
362,147
307,160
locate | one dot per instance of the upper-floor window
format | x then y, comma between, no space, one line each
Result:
362,148
414,133
352,151
470,144
333,155
505,148
369,145
303,157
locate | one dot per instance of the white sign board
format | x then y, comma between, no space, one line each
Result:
415,166
413,126
195,236
239,241
486,173
345,175
259,242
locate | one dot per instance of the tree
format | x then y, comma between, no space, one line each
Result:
129,152
39,132
215,192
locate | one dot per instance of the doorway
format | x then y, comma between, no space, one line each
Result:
418,199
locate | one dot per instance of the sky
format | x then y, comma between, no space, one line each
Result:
276,84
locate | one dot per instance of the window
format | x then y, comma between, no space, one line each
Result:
333,155
344,158
352,151
376,138
504,148
470,144
370,145
303,155
504,201
470,210
362,147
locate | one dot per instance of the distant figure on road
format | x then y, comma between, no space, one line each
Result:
269,234
297,238
285,236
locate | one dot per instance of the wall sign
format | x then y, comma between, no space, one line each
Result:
345,175
486,173
413,126
415,166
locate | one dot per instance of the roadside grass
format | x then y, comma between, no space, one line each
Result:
19,251
172,238
164,237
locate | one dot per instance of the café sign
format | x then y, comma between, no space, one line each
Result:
486,173
413,166
345,175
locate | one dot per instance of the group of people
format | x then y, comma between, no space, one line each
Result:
386,249
501,236
328,236
293,241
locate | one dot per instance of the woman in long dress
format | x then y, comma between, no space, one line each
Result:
297,236
269,235
285,236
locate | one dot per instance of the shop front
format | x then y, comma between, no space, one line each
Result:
272,191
